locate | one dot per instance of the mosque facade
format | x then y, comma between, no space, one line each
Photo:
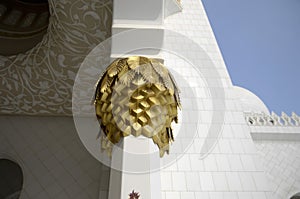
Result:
227,144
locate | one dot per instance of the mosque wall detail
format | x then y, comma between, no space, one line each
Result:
40,81
253,154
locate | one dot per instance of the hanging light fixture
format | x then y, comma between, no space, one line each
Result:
136,96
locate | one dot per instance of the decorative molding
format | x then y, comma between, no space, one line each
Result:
40,81
262,119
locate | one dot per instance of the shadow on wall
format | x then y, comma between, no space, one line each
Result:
11,179
23,24
54,162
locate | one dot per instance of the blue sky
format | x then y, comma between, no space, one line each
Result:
260,42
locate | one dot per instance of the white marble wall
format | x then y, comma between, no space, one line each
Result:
278,143
281,161
55,164
231,169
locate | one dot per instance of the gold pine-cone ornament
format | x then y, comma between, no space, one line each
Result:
136,96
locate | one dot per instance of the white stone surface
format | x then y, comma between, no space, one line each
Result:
225,171
55,164
281,161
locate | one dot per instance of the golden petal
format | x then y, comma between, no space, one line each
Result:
153,101
136,112
104,107
142,120
137,129
136,97
144,105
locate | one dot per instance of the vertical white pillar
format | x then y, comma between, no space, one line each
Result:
146,17
139,182
138,163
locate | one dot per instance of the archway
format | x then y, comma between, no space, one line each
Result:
11,179
296,196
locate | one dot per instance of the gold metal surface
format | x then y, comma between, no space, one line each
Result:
136,96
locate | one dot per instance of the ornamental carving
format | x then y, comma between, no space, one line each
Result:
137,96
40,81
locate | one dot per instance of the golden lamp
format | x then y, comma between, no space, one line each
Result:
136,96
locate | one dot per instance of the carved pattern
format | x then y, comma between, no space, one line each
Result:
262,119
40,81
